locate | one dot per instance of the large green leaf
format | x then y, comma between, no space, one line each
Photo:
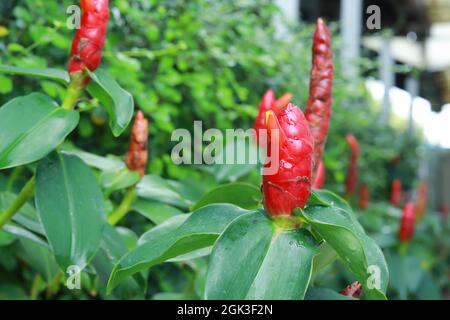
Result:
30,127
153,187
340,229
45,73
70,207
244,195
254,259
171,239
118,102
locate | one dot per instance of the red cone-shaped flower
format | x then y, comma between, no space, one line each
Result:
136,158
407,221
265,105
352,171
364,197
318,107
319,180
282,102
396,192
89,39
290,186
421,203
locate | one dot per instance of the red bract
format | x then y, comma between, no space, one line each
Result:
290,186
136,158
281,102
319,180
407,221
364,197
318,107
352,172
89,39
421,203
353,290
265,105
444,210
396,192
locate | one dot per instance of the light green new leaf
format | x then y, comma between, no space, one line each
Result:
118,102
70,206
254,259
30,127
175,237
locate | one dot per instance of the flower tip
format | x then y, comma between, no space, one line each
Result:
139,115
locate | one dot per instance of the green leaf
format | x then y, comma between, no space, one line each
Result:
253,259
171,239
70,207
328,198
340,229
45,73
244,195
111,249
26,216
117,180
30,127
101,163
155,211
118,102
153,187
39,257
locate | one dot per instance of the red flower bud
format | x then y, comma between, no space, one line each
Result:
353,290
265,105
136,158
444,210
407,221
89,39
282,102
364,197
318,107
396,192
421,203
320,176
290,186
352,172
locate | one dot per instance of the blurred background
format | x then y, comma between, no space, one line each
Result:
212,60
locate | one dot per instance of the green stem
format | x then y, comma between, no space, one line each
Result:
15,174
124,206
24,195
74,90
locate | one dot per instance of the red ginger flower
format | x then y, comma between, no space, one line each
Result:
89,39
265,105
290,186
136,158
396,192
352,172
353,290
318,106
364,197
282,102
320,176
406,230
421,203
